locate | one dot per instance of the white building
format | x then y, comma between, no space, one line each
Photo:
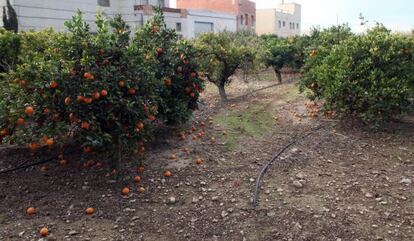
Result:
283,21
40,14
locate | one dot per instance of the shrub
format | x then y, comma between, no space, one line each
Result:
221,56
369,76
100,90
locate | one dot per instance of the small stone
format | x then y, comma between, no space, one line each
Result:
369,195
406,181
129,210
267,191
172,200
21,233
297,184
271,214
224,214
73,232
195,199
251,179
215,198
135,218
215,220
300,175
84,188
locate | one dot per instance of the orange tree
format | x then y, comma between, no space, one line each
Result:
174,67
99,90
221,54
279,53
369,76
318,46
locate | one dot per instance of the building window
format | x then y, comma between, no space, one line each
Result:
284,24
104,3
253,22
297,26
203,27
178,27
280,24
247,19
241,19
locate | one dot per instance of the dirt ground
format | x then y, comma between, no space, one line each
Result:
344,182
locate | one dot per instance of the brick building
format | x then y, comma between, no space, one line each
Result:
245,10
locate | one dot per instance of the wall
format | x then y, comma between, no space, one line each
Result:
227,6
236,7
268,20
221,21
39,14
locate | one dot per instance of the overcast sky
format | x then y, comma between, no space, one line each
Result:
397,15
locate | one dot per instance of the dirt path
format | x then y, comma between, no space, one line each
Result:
342,183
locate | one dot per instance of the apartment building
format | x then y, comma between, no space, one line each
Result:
244,10
42,14
284,21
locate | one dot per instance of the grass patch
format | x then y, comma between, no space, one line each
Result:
253,122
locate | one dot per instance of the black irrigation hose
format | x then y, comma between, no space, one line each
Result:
22,166
28,165
264,169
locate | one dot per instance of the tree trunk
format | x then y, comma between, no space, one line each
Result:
278,75
222,92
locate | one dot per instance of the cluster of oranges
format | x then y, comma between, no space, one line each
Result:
313,108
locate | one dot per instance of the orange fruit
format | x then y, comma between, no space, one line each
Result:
49,141
63,162
104,93
33,146
80,98
87,100
96,96
137,179
44,232
132,91
159,50
85,125
89,211
87,149
20,121
53,84
88,76
31,211
121,83
141,190
199,161
125,191
43,169
167,82
167,174
140,125
151,117
29,110
68,101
